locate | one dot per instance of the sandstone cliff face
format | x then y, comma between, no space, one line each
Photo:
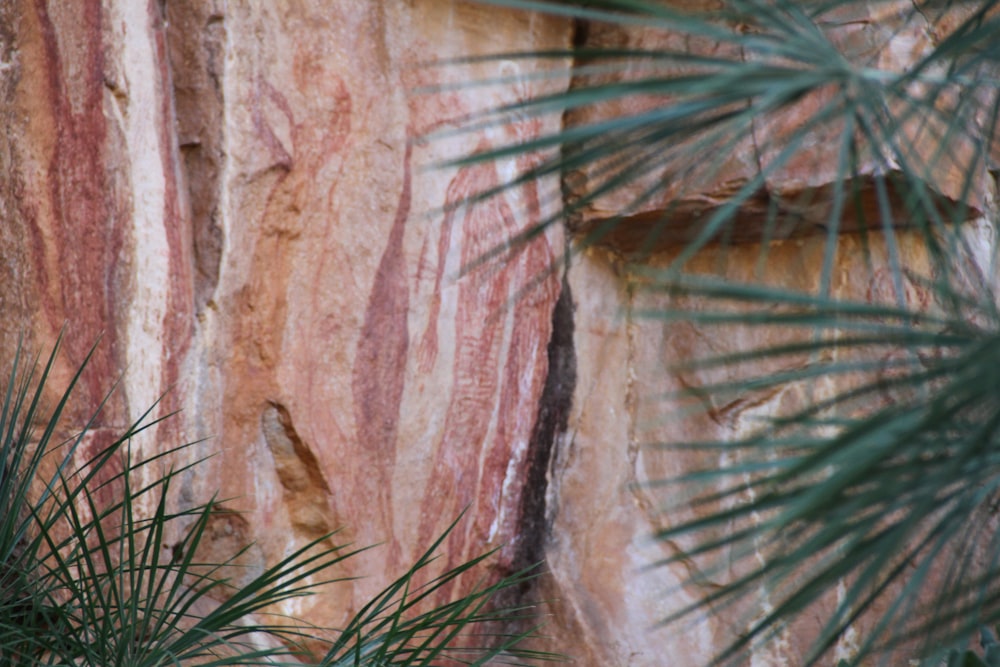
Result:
599,545
236,196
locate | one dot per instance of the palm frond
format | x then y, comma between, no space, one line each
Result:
688,130
649,132
886,485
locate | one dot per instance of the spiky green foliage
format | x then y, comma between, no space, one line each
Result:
94,583
885,488
403,626
86,582
765,58
889,498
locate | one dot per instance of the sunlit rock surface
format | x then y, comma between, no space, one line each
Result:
237,197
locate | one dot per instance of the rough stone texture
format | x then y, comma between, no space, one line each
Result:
236,198
618,414
356,381
95,224
626,360
674,199
235,195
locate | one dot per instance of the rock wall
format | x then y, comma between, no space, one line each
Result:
599,546
627,360
238,201
236,197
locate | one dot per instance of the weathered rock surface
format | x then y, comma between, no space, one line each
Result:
236,196
793,153
599,549
355,381
239,199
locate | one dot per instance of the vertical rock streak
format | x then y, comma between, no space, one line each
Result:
79,230
380,365
555,403
501,329
158,327
194,42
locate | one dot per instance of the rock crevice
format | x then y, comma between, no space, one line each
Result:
550,425
306,491
196,37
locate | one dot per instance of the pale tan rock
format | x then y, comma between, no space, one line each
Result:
601,547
